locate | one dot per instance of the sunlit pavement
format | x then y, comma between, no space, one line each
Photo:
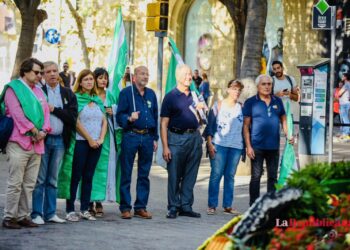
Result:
111,232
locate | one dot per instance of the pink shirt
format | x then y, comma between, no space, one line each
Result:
21,124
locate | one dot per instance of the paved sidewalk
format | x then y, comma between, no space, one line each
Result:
111,232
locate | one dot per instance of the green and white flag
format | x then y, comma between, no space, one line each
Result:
288,161
175,60
117,60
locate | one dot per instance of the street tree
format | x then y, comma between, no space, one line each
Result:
31,18
249,17
79,21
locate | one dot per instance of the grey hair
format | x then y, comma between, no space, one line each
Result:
49,63
179,70
258,79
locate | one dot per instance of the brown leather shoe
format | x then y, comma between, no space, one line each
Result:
27,223
143,213
126,215
10,224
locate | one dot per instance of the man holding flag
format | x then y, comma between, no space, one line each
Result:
182,143
137,114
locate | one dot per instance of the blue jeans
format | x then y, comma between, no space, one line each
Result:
84,164
133,143
224,163
45,191
272,160
344,117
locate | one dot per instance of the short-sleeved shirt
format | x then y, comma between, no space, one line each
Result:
91,118
265,122
176,106
344,99
229,127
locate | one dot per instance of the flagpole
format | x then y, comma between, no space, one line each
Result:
132,92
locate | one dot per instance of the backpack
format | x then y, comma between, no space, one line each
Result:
6,127
288,79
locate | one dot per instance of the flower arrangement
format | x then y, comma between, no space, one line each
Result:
319,193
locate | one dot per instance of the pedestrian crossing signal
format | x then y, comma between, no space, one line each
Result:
157,16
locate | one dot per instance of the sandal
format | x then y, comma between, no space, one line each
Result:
230,210
99,212
211,211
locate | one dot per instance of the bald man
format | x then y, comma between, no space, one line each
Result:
182,144
137,114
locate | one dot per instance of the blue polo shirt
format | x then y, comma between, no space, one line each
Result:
265,122
146,104
176,106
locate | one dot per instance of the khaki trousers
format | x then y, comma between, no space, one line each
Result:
23,172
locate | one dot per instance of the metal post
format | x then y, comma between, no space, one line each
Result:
331,90
160,36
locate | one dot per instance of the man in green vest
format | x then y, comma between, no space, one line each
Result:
26,104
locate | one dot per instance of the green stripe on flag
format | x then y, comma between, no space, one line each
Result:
117,60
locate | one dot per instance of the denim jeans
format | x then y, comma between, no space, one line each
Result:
344,117
272,159
133,143
45,191
224,163
84,164
186,154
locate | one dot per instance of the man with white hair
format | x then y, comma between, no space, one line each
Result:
182,144
263,114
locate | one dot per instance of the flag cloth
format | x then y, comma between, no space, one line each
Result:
175,60
288,161
117,60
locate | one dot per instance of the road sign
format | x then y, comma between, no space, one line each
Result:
52,36
322,16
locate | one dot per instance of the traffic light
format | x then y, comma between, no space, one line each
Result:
157,16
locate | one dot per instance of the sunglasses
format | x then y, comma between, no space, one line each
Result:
37,72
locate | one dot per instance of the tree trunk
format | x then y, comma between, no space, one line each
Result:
81,35
237,11
253,38
31,18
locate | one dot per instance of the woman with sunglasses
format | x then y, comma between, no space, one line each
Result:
225,144
82,157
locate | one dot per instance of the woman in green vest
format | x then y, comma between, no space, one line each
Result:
87,143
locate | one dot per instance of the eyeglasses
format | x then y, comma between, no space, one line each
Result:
266,83
37,72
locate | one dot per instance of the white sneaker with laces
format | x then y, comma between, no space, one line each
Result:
38,220
56,219
87,216
72,217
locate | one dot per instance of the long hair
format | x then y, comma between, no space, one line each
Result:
77,88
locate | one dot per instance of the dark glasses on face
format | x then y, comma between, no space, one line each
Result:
37,72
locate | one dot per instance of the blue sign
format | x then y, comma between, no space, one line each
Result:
52,36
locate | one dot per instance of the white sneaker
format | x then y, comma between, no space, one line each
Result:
87,216
72,217
38,220
56,219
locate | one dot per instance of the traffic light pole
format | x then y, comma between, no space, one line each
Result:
160,36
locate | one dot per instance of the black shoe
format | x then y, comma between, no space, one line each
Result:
190,214
171,214
10,224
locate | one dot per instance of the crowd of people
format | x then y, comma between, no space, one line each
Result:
64,137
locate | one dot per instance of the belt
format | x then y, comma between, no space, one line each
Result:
140,131
182,131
